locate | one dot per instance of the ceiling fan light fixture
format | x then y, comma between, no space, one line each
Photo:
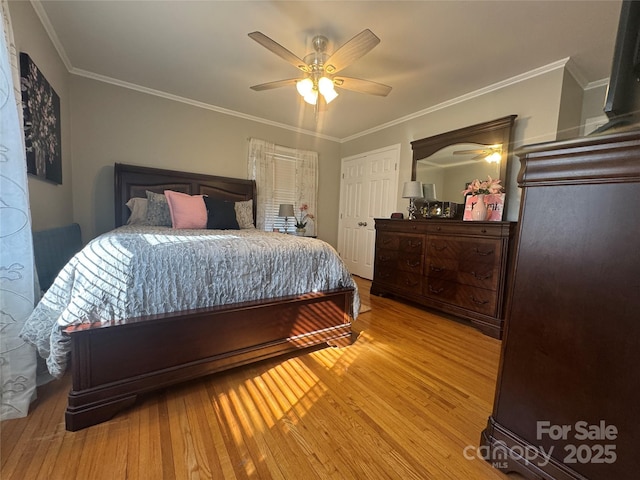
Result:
325,85
493,157
319,67
312,97
330,95
304,86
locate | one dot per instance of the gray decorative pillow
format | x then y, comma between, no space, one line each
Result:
158,213
244,214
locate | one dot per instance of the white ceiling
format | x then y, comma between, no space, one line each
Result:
430,51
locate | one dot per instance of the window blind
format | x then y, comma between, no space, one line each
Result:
283,176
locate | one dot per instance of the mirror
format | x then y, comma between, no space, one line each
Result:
447,162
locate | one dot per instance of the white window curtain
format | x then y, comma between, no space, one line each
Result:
17,273
284,175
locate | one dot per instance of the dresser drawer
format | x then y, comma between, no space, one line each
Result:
442,247
441,269
408,280
386,257
387,240
477,229
479,300
410,262
411,243
471,298
480,251
440,290
483,275
384,274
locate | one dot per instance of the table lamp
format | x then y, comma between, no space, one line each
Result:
286,211
412,190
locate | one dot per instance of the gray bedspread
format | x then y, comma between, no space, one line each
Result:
134,271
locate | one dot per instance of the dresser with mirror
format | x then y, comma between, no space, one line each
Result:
440,261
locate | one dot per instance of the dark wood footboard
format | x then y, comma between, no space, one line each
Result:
112,365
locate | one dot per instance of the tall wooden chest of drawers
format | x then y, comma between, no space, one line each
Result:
457,267
571,347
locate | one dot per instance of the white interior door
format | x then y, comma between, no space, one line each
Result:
368,190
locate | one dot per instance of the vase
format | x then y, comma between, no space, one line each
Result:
479,210
301,231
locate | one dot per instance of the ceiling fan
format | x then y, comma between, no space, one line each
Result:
491,153
319,68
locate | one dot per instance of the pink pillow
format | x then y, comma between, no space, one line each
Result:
187,211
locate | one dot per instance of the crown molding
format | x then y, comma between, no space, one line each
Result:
463,98
53,36
195,103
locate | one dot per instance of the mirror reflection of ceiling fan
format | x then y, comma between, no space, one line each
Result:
320,69
491,153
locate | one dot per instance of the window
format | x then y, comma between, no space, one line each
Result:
283,175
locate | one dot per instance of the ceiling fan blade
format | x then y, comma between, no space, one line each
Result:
279,50
351,51
362,86
467,152
276,84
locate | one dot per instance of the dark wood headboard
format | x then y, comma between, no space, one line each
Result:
133,181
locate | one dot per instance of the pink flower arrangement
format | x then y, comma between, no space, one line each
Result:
488,186
301,218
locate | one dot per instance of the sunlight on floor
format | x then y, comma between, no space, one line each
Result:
277,397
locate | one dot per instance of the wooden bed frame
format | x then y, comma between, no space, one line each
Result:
112,365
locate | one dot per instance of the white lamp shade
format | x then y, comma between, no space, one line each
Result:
325,85
429,191
286,210
304,87
412,189
312,97
330,96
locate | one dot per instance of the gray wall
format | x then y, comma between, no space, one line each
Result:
51,205
112,124
536,101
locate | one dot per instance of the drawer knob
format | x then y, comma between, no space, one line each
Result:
483,253
437,269
439,248
413,263
437,291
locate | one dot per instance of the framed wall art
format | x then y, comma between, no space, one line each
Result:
41,110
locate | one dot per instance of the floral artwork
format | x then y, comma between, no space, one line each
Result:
41,108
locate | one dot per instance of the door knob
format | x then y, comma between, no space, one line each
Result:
362,224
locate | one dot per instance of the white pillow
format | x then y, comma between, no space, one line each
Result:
138,207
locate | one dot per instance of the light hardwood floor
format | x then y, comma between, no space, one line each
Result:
405,401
